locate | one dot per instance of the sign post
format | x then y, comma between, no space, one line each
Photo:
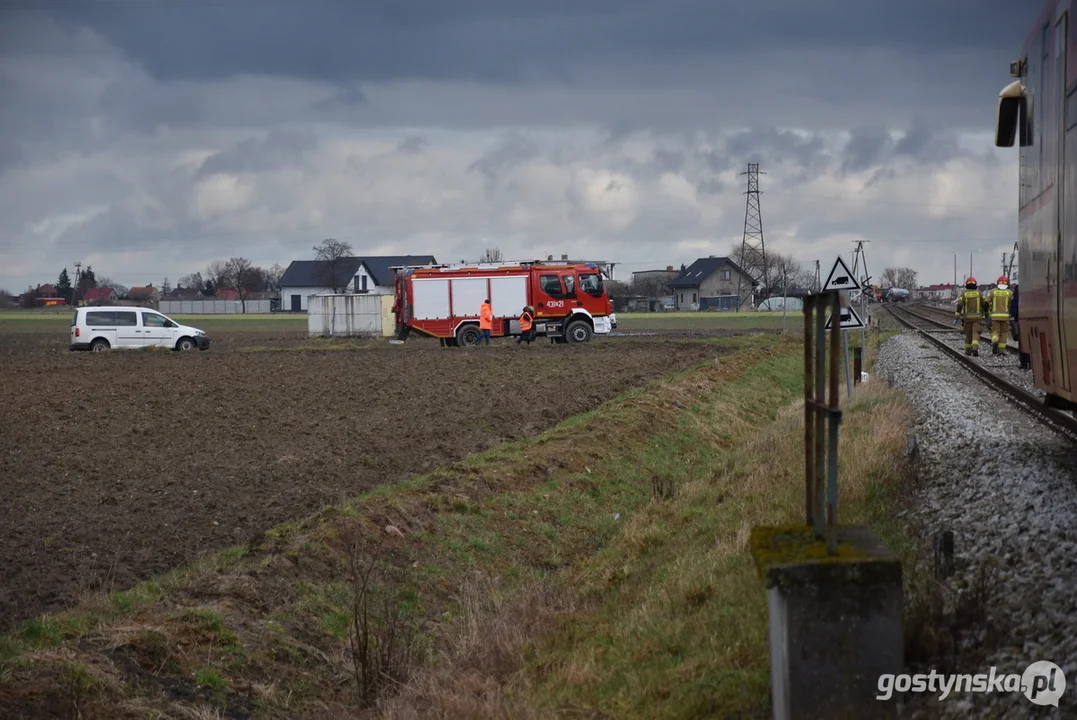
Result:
841,279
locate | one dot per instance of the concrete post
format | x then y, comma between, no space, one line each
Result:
835,621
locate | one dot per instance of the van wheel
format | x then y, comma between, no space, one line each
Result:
185,344
99,345
578,332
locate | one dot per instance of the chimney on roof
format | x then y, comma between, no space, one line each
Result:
669,268
564,257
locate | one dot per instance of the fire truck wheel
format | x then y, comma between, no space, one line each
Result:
578,332
467,335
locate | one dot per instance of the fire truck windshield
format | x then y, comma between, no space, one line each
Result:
591,283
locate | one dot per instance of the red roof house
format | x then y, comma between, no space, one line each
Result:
99,295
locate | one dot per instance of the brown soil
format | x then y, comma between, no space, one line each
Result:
121,465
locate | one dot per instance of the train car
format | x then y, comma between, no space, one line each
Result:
1038,112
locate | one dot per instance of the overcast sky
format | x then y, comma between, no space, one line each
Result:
147,138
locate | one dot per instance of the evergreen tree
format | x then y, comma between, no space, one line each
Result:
63,286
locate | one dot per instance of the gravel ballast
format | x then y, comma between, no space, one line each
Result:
1007,488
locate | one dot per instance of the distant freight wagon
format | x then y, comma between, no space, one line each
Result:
443,301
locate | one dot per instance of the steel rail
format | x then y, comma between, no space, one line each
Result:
1056,420
1012,349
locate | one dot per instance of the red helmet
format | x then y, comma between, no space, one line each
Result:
970,282
1003,280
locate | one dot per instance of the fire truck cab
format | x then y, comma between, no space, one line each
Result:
443,301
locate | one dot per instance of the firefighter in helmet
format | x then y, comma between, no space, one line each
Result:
998,305
970,310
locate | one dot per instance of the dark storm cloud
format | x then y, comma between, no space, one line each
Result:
865,148
928,144
279,148
411,144
513,150
506,40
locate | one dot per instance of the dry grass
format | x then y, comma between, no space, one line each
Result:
601,579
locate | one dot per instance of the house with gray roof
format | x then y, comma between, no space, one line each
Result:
710,282
359,275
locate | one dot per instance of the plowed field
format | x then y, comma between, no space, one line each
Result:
120,465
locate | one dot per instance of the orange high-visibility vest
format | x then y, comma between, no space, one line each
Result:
486,317
525,322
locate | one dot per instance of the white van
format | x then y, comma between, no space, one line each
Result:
123,328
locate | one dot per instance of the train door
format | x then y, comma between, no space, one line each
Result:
1064,265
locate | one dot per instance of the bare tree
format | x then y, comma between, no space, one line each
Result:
192,282
652,284
216,274
332,253
889,278
906,278
273,276
243,277
492,255
120,290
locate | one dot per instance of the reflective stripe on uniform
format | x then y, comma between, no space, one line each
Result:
971,302
1000,304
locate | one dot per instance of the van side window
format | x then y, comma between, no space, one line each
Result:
99,318
126,319
154,320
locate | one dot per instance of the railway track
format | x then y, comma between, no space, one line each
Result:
1059,421
985,338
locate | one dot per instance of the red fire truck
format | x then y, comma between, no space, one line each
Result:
443,301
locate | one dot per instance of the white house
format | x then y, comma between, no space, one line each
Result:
359,275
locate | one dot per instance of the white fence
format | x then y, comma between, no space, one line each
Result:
212,307
350,315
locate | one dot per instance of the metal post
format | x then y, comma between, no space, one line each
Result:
848,370
832,454
809,410
785,281
820,419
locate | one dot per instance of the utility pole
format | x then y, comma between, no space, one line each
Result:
816,287
753,253
78,283
858,257
954,293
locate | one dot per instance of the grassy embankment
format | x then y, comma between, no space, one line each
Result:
601,567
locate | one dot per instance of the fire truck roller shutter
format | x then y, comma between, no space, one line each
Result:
430,299
468,295
508,295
